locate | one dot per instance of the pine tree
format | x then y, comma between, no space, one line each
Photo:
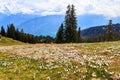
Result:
3,33
79,35
11,31
8,31
109,31
70,25
60,35
17,34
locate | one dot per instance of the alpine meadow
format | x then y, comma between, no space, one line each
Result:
53,40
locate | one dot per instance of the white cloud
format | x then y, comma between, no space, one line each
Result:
108,8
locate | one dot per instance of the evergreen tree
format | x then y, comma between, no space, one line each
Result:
60,35
3,33
8,31
22,35
109,31
79,35
11,31
70,25
17,36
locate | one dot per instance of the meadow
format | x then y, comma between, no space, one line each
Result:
82,61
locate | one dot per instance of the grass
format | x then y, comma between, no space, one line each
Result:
8,41
86,61
16,67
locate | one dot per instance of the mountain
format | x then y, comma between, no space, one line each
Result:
33,24
45,25
6,19
48,25
98,30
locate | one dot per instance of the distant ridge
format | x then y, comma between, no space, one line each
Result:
98,30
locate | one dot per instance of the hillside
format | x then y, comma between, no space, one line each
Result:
8,41
97,30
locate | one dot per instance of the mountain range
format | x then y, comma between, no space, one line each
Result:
98,30
48,25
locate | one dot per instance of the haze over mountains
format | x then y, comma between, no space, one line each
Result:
48,25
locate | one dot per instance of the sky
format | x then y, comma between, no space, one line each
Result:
108,8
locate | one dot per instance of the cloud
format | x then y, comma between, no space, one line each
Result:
108,8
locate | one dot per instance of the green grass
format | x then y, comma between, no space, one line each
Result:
8,41
14,67
95,57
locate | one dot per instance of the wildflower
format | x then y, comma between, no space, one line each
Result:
84,77
94,75
48,78
111,73
84,56
103,76
111,77
5,64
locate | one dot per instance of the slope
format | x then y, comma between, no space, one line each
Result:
8,41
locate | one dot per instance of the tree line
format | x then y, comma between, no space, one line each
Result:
20,35
69,32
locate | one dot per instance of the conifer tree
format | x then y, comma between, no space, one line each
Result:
60,35
11,31
109,31
8,31
17,34
79,35
3,33
70,25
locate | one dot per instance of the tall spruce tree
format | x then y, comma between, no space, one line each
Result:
8,31
70,25
109,31
3,33
11,31
60,34
79,35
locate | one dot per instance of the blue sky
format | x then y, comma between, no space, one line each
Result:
108,8
89,13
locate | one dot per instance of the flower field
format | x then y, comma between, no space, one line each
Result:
85,61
